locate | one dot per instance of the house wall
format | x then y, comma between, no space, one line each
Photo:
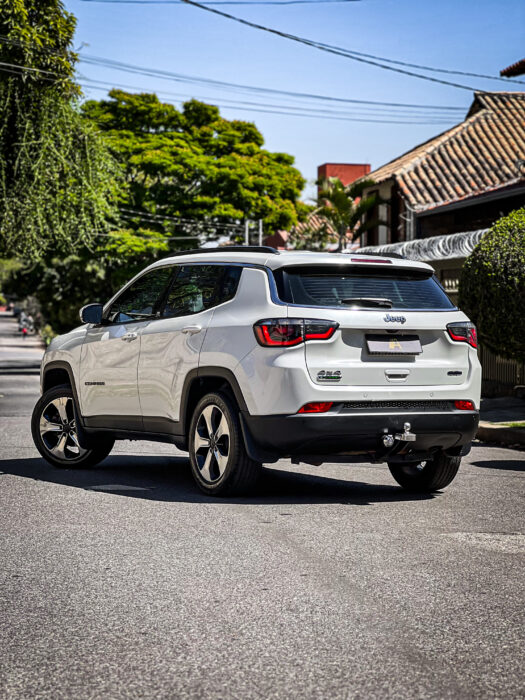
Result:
404,224
382,234
448,272
470,217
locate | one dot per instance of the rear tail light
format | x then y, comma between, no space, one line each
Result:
279,331
465,405
316,407
286,332
463,332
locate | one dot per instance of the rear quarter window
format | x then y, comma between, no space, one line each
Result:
200,287
329,286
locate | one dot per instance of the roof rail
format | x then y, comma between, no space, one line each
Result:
398,256
231,249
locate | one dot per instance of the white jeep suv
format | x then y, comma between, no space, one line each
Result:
246,355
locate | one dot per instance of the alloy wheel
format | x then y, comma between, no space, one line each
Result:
58,430
212,443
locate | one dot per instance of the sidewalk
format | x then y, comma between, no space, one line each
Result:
16,353
499,417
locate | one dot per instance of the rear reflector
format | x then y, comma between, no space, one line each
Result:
465,405
316,407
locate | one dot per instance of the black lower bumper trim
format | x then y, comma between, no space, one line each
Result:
273,437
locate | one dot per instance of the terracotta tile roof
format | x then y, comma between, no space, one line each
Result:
482,153
517,68
314,222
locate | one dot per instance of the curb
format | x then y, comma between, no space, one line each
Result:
14,367
497,432
20,364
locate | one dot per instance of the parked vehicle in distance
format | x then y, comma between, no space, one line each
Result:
246,355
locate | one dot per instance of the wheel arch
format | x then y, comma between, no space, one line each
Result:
59,372
204,380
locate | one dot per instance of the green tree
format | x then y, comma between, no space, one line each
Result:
56,176
194,164
63,284
345,208
492,287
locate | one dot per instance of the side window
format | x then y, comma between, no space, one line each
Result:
142,300
229,283
199,287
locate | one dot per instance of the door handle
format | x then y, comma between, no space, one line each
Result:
129,337
191,329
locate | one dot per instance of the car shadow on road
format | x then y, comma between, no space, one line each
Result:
168,479
517,465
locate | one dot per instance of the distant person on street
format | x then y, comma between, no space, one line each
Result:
22,319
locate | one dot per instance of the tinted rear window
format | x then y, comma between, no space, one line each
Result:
328,286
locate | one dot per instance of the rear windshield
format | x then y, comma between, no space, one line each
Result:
329,286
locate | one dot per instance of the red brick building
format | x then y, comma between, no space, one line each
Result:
346,172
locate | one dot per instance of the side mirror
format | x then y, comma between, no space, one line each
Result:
91,313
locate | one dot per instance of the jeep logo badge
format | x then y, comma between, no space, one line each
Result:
394,319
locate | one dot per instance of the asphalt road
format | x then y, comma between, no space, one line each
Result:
124,582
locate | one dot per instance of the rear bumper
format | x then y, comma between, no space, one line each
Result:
272,437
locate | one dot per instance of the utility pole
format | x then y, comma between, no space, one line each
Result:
260,232
247,232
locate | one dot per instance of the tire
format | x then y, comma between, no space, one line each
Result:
220,465
54,416
426,477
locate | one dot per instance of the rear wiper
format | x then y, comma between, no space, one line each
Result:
368,302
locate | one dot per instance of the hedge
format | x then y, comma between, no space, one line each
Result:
492,287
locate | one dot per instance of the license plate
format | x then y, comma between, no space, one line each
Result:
393,344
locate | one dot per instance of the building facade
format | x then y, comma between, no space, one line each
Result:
459,181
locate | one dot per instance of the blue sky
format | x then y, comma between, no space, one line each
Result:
481,37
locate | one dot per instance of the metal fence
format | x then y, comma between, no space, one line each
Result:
499,370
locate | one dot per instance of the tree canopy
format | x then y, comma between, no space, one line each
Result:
492,287
193,163
63,284
56,176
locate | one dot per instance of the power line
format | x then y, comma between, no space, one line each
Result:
132,213
150,238
180,77
448,71
225,2
234,87
366,109
300,111
326,48
27,68
283,110
317,44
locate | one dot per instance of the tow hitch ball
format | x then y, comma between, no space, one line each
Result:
405,436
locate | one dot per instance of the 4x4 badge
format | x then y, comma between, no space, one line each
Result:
394,319
329,375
